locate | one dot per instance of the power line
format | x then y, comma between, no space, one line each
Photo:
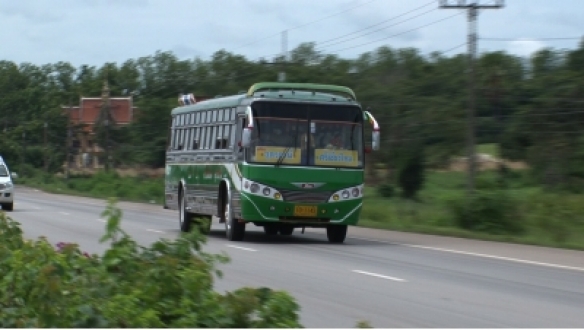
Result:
390,19
304,24
529,39
397,34
374,25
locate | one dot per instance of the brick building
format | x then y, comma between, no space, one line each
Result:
86,153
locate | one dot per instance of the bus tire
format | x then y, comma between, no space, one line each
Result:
271,229
286,230
185,219
336,233
234,230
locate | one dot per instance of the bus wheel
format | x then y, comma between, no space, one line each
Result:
286,230
336,233
271,229
234,230
184,218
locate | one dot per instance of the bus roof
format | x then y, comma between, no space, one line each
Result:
276,90
219,102
283,86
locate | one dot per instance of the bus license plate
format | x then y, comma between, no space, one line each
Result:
305,211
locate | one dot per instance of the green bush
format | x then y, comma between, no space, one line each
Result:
557,217
411,175
492,211
386,190
169,284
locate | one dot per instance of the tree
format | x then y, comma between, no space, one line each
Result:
411,173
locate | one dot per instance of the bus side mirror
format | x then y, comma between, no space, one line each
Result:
375,140
246,137
14,175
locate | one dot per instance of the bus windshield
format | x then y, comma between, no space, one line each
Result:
307,135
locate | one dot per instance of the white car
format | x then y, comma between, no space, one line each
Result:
6,187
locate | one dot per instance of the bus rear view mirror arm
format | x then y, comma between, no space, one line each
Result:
246,137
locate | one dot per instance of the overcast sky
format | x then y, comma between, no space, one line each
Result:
98,31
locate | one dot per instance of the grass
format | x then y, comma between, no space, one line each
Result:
101,185
544,218
488,148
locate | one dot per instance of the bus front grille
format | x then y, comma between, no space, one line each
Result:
301,196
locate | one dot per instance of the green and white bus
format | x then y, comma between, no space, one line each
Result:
281,156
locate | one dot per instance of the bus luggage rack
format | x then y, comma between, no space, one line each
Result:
304,219
299,196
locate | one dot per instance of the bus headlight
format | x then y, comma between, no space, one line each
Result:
346,194
259,189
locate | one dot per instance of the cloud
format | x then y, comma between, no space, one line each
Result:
185,52
31,14
525,47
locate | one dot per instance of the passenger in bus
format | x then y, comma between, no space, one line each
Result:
335,142
280,136
324,136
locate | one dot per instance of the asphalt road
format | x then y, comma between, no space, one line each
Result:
389,279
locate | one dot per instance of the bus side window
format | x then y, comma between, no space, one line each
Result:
221,143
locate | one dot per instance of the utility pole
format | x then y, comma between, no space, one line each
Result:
68,144
45,147
107,146
472,7
106,119
282,73
23,147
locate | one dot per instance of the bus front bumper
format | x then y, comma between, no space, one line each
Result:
259,209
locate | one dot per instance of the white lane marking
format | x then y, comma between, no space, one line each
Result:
155,231
523,261
241,248
380,276
65,213
537,263
101,220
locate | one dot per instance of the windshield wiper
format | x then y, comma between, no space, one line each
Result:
283,155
